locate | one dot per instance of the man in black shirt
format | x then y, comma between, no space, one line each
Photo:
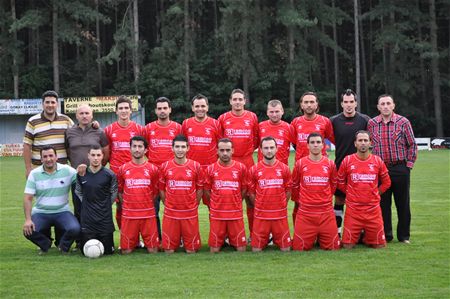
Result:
345,126
96,187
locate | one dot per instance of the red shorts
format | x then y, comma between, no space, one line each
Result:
279,229
310,227
220,229
250,213
371,222
175,229
131,228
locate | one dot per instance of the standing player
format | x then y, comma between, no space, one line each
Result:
358,178
269,188
96,188
393,141
202,133
138,188
119,134
313,185
241,127
345,126
225,188
181,188
306,124
277,128
159,135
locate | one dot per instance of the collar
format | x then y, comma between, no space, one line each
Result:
43,116
58,168
379,119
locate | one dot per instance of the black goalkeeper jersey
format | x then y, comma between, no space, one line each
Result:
344,129
97,192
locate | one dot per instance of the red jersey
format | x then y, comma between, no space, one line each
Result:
119,142
242,130
160,141
226,184
180,183
303,127
283,134
202,138
139,186
270,185
359,180
313,184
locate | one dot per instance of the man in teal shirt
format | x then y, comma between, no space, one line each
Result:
50,183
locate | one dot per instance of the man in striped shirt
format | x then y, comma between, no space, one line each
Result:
393,140
50,184
45,129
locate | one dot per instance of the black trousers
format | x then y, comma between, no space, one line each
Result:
400,184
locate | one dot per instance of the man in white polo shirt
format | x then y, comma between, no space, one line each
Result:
50,184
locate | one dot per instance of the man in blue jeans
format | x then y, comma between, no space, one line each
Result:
50,184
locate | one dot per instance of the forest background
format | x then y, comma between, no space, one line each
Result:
271,49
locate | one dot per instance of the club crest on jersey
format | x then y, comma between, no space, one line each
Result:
317,127
207,131
371,166
325,169
234,173
171,133
278,171
188,173
146,173
246,122
280,133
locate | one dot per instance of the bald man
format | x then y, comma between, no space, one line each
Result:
79,139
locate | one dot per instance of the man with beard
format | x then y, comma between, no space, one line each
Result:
225,187
359,177
181,188
138,188
269,188
306,124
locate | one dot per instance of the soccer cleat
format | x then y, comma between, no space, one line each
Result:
405,242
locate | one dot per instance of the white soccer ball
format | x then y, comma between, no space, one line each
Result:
93,249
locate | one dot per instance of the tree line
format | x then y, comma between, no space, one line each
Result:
271,49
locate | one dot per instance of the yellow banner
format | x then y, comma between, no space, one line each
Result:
99,104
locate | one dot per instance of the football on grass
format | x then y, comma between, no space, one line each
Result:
93,248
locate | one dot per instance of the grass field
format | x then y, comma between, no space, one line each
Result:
419,270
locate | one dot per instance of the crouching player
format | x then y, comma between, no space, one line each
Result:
313,186
225,187
138,188
96,187
358,177
269,188
180,189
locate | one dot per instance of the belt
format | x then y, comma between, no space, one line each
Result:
395,163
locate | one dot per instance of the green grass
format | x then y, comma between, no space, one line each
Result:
420,270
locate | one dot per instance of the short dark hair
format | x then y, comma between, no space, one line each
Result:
95,147
139,138
362,132
274,103
348,92
385,95
199,97
238,90
47,148
181,138
314,134
268,138
123,99
163,100
225,140
50,93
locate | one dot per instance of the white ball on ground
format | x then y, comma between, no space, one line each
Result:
93,248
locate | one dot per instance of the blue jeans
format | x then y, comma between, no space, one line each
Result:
64,221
